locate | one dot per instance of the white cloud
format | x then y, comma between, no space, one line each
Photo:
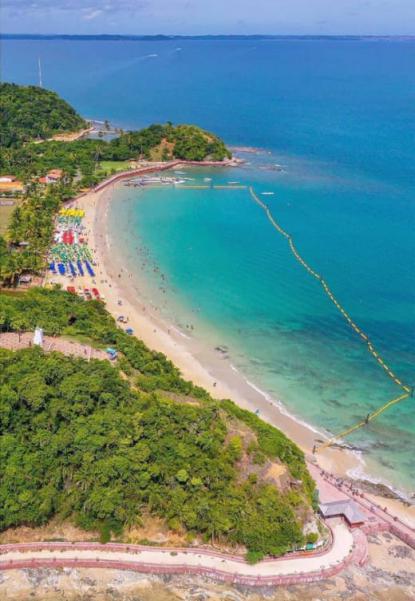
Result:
92,15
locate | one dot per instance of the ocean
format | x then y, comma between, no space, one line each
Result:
334,122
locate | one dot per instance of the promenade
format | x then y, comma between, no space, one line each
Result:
346,548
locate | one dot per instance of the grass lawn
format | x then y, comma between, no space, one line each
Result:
109,166
5,214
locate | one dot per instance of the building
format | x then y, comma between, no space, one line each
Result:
7,178
13,186
52,176
345,509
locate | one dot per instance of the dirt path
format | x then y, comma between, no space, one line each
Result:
14,341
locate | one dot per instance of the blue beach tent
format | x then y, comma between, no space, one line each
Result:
80,268
89,269
72,268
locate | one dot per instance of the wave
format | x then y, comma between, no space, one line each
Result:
278,403
179,332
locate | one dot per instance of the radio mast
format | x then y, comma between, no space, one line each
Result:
40,73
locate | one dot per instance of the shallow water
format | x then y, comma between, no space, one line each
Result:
339,117
217,269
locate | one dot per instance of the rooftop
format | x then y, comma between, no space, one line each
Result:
346,508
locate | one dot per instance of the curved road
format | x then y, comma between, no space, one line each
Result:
347,547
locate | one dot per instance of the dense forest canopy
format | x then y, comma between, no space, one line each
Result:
156,142
119,445
30,112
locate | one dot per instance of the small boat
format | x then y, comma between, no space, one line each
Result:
207,179
267,193
233,183
61,268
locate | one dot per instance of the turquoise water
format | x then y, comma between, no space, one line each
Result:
339,118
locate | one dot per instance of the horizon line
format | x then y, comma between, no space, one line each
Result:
166,37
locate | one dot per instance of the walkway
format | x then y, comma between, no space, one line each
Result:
347,548
378,519
14,341
162,166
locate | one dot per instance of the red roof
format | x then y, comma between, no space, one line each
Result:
55,173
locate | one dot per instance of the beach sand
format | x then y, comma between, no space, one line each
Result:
204,367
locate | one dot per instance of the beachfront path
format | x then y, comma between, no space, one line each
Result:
346,548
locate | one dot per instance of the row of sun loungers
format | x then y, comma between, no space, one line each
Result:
69,268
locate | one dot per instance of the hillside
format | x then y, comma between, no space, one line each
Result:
166,142
156,142
105,444
102,443
30,113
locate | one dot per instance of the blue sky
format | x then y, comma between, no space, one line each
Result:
376,17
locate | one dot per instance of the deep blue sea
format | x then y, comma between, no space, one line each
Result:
339,118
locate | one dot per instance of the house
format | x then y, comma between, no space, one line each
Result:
346,509
52,176
11,186
7,178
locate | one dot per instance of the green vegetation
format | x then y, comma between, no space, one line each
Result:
93,159
103,443
29,231
113,166
6,214
29,112
78,440
187,142
273,443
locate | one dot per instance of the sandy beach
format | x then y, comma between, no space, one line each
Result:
205,367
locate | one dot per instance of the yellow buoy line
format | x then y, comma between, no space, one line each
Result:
408,390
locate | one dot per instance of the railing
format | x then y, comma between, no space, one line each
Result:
357,555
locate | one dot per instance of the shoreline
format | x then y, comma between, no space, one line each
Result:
206,367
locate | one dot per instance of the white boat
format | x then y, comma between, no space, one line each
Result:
207,179
233,183
267,193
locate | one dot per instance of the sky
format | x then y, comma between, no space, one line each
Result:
191,17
